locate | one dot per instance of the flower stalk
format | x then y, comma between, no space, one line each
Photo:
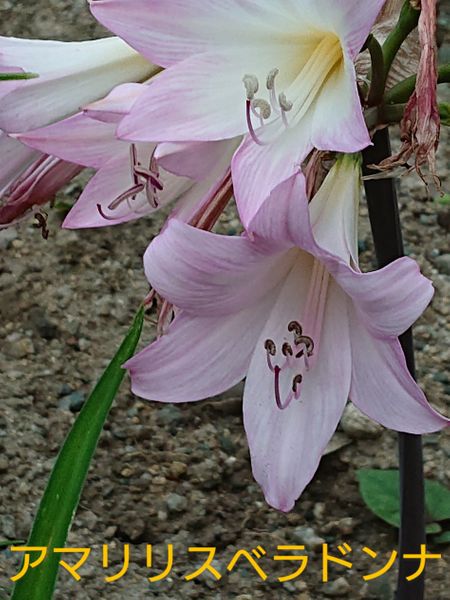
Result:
387,235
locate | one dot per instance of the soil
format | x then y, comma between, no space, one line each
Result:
181,475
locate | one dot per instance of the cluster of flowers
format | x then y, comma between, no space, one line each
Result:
198,101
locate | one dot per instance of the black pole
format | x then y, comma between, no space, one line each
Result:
387,235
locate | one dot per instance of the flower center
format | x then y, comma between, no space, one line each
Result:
144,180
300,353
325,57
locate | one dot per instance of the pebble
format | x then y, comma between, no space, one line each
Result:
308,537
73,402
176,503
339,587
357,425
18,347
169,415
7,236
4,463
442,263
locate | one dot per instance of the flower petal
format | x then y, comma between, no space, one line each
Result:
382,387
286,445
391,299
257,170
199,357
111,181
71,74
338,122
77,139
209,274
169,31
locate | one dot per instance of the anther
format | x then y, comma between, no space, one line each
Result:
285,104
307,342
270,81
251,85
295,327
270,346
263,107
286,349
296,382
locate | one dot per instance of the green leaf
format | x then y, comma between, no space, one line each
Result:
17,76
444,538
444,113
380,491
437,499
433,528
6,543
61,497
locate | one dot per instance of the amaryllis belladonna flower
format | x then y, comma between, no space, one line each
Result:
292,313
280,72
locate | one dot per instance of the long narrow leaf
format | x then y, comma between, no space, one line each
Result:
60,499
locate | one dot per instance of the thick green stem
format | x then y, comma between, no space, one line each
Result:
403,90
407,22
377,80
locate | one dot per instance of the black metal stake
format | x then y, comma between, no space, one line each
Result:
387,235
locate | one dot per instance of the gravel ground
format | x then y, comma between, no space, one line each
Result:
180,474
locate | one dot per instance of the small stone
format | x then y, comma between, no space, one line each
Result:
357,425
7,236
18,347
110,532
308,537
176,503
169,415
177,469
442,263
4,463
428,219
7,527
339,587
73,402
131,527
65,390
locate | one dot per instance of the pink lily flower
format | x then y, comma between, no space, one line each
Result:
292,313
71,74
280,72
132,179
28,179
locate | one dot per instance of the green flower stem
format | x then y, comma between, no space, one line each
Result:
403,90
377,79
61,497
407,22
16,76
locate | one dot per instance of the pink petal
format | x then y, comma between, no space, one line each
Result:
338,122
112,180
168,31
113,107
267,165
71,74
195,159
78,139
19,158
391,299
199,357
209,274
286,445
200,99
382,387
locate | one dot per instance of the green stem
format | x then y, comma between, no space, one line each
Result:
377,80
407,22
403,90
16,76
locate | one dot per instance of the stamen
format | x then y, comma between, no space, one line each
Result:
251,85
251,130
